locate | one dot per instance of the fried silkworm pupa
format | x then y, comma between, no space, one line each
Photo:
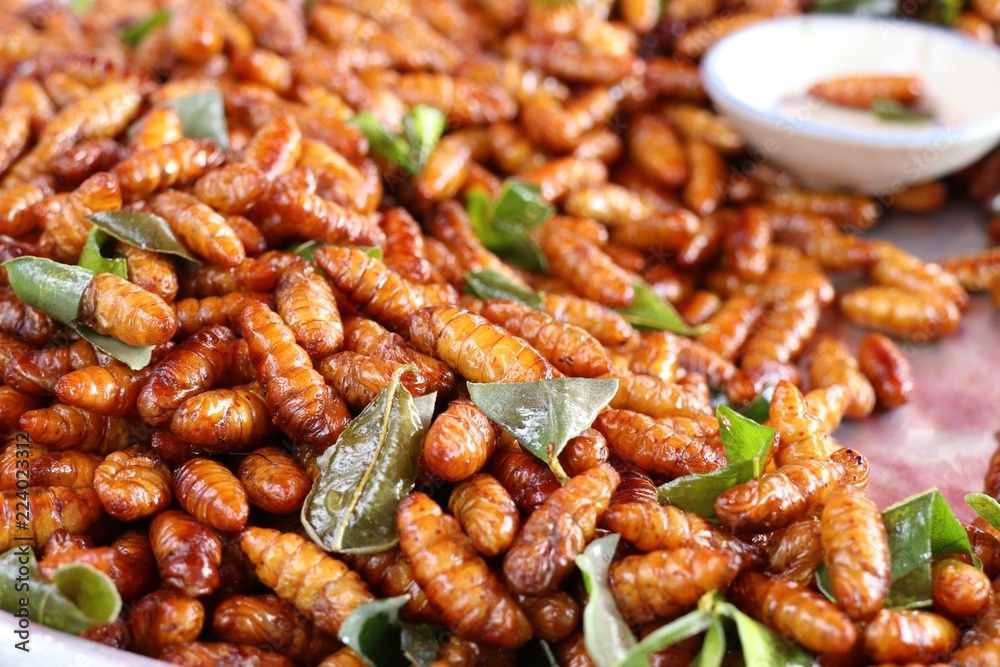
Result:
273,480
897,268
827,406
486,512
860,92
133,484
13,404
270,623
914,316
195,314
152,271
729,327
663,583
855,552
322,588
222,421
975,272
129,561
52,507
556,533
831,362
887,368
202,230
795,611
115,635
23,322
528,481
583,452
187,552
149,171
389,574
209,654
164,618
568,348
111,391
302,404
795,551
459,442
191,368
307,305
208,491
157,128
604,324
656,446
16,208
655,397
370,338
801,435
233,188
909,636
478,350
118,308
66,427
358,378
587,269
345,657
776,499
959,590
553,615
657,150
445,564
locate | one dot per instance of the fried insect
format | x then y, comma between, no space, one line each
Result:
831,362
658,151
887,368
447,567
66,228
133,484
959,590
161,168
345,657
157,128
60,468
604,324
389,574
543,553
23,322
307,305
459,442
908,636
13,404
111,391
187,552
367,337
776,499
478,350
728,328
587,269
353,186
913,316
133,315
975,272
129,561
656,446
302,405
52,508
795,611
233,188
583,452
210,493
16,204
152,271
85,159
553,615
202,230
191,368
196,314
486,513
292,210
273,480
654,396
860,92
250,275
802,435
663,583
269,623
62,426
897,268
164,618
209,654
528,481
322,588
796,551
450,226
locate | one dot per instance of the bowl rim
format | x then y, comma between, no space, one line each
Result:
721,94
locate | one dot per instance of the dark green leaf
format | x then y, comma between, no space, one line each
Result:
697,493
762,646
688,625
421,642
985,506
137,32
894,111
362,478
203,116
759,409
51,287
422,129
424,406
713,646
544,415
489,284
606,634
859,7
522,251
649,311
93,259
382,142
514,246
519,206
134,356
77,598
743,438
141,229
374,632
920,528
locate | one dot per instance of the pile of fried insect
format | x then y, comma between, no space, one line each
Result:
452,332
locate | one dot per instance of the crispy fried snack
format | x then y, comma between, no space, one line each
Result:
164,618
133,315
133,484
604,324
587,269
389,574
211,494
528,481
209,654
795,551
960,590
904,636
110,391
151,271
249,275
583,452
52,508
368,337
446,566
196,314
156,169
486,513
918,317
655,397
187,552
273,480
307,305
802,435
860,92
358,378
831,362
553,615
459,442
888,370
157,128
224,420
270,623
203,231
656,446
66,427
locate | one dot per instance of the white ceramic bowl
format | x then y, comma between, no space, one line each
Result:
758,79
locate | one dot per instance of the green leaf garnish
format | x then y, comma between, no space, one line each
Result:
759,409
77,598
502,225
763,646
138,31
896,112
93,259
544,415
688,625
376,633
422,129
747,444
649,311
421,643
985,506
203,116
489,284
607,636
141,229
352,505
519,206
713,646
80,6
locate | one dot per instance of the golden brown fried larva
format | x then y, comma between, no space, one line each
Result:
345,657
129,561
802,436
233,188
23,322
152,271
558,177
795,551
270,623
831,362
133,484
291,210
776,499
208,654
960,590
673,78
16,121
663,583
367,337
307,305
706,184
250,275
486,512
223,420
157,128
202,230
13,404
528,481
729,327
404,246
52,508
115,635
451,226
655,446
887,369
195,314
587,269
860,92
856,211
658,151
133,315
303,406
358,378
921,197
897,268
389,574
855,552
654,396
164,618
747,246
273,480
66,427
975,272
583,452
447,167
447,567
64,468
212,494
66,228
191,368
905,636
795,611
478,350
164,167
553,615
459,441
604,324
914,316
543,553
187,552
322,588
85,159
16,204
195,32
